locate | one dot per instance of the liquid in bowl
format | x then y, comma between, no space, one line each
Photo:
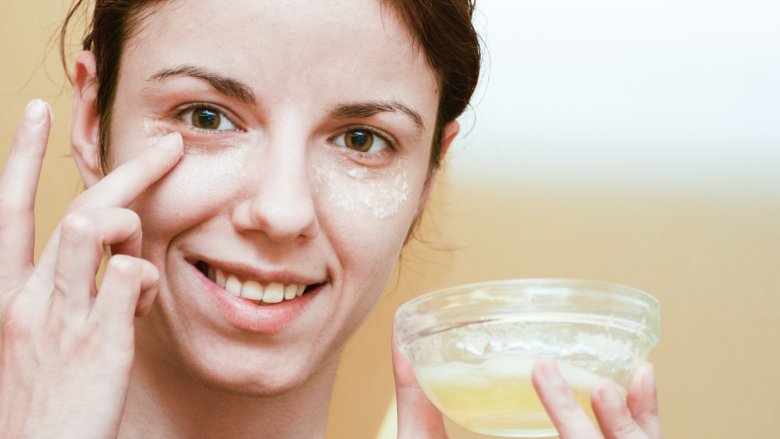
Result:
473,347
497,397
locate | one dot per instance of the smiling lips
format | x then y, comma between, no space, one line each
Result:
253,290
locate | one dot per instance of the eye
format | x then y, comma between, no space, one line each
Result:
362,140
206,118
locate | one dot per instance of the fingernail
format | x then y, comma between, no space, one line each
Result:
610,395
171,142
35,112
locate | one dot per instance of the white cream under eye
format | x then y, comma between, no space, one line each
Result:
380,193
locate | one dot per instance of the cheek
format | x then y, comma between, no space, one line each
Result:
203,182
372,209
366,193
196,189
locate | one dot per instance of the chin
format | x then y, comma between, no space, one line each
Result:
256,374
250,386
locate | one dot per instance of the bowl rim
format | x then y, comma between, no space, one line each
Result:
626,291
648,304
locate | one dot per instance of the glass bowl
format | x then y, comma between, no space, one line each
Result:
472,347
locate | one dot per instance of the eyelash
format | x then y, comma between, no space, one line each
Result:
184,109
391,144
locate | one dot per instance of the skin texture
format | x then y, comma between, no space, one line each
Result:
67,347
244,198
248,197
636,417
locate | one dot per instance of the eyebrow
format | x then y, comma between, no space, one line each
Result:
227,86
238,90
364,110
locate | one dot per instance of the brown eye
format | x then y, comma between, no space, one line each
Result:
206,118
363,140
359,140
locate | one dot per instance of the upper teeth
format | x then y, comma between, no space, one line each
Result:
250,289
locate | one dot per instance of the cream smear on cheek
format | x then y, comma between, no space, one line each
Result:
380,192
208,165
154,128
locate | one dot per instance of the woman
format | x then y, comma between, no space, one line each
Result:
255,169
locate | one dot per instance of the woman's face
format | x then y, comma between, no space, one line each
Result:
307,129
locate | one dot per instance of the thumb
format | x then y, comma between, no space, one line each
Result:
418,418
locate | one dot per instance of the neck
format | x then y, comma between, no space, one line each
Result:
164,400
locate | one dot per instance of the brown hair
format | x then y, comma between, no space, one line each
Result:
442,28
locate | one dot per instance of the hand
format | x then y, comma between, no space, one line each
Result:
636,418
66,348
418,418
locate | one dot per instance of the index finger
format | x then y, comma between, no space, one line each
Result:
120,187
18,186
557,398
643,401
124,184
417,416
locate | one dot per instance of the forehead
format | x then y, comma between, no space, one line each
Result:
340,49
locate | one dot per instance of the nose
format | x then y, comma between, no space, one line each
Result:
279,201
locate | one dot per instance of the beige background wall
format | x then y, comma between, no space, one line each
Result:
711,257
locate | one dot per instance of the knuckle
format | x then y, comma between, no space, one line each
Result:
15,325
62,285
569,414
651,411
80,204
124,266
623,425
134,220
10,207
649,414
77,227
568,410
645,406
625,428
565,398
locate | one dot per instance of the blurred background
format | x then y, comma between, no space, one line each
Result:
628,141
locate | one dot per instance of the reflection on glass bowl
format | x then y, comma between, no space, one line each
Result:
472,347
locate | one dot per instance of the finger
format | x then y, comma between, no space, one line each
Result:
147,298
18,186
558,399
643,401
418,418
613,414
83,236
124,184
120,187
118,297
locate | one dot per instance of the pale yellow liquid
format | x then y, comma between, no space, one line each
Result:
497,397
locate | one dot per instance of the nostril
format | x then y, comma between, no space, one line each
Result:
282,214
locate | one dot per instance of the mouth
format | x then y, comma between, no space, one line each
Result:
257,291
